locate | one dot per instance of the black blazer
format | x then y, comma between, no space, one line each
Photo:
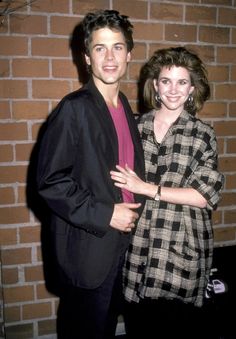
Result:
77,152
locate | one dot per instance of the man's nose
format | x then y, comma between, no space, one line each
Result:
109,54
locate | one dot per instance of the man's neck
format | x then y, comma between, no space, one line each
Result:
110,92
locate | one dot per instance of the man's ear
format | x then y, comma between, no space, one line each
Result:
128,56
87,59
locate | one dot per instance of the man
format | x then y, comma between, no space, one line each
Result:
91,220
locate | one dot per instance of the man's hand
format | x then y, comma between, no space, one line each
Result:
124,216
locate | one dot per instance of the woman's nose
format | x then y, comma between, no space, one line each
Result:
173,88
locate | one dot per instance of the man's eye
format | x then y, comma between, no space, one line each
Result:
119,47
183,82
99,49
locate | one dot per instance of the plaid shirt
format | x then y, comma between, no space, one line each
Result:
170,255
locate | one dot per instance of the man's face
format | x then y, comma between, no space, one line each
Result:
108,56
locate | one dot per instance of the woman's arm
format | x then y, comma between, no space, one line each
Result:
128,179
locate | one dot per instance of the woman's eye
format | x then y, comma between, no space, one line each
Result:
183,82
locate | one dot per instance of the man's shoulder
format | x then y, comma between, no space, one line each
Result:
82,93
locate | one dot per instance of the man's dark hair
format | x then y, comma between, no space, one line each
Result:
107,18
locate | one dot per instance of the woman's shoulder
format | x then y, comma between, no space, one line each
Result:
148,116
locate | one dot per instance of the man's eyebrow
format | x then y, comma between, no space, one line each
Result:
103,44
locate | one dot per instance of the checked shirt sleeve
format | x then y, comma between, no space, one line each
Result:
205,178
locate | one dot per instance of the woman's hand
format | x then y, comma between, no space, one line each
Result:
128,179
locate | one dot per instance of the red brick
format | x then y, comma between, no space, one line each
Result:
230,181
232,109
37,310
21,194
139,52
50,89
14,131
28,24
8,236
46,327
10,276
51,6
12,174
225,91
6,196
228,199
30,109
201,14
29,234
13,89
4,68
18,294
63,25
6,153
10,45
5,110
30,68
214,109
217,217
50,47
34,273
135,9
20,331
227,164
82,7
23,151
180,33
231,145
42,292
224,234
205,52
227,16
214,35
218,73
14,215
151,31
12,314
166,12
226,55
64,69
16,256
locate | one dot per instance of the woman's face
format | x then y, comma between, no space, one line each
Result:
174,87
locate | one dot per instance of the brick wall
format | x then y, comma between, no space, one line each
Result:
36,70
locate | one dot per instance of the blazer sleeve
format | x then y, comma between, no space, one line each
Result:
58,180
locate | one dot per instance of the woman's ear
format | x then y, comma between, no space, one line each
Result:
191,90
155,84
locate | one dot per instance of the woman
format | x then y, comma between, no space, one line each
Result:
170,257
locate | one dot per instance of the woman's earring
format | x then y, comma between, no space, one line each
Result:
190,99
157,98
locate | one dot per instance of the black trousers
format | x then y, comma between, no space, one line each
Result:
167,319
93,314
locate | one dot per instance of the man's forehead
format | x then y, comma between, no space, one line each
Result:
107,36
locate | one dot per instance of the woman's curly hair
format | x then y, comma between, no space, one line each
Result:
180,57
